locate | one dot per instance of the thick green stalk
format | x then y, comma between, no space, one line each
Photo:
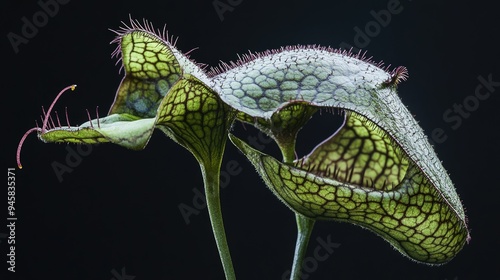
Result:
304,229
304,225
211,179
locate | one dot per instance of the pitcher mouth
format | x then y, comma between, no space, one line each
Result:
359,152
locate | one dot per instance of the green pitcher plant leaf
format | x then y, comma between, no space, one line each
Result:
162,88
377,171
152,66
194,116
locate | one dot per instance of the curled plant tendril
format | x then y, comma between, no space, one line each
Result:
377,170
44,125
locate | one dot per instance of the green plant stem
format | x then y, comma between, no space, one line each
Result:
304,229
211,180
304,225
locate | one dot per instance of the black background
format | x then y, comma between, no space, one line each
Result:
119,208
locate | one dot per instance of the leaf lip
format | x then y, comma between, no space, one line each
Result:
411,158
258,159
240,144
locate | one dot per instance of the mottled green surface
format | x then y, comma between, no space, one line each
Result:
193,115
360,154
396,201
377,171
380,153
328,79
150,71
163,89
